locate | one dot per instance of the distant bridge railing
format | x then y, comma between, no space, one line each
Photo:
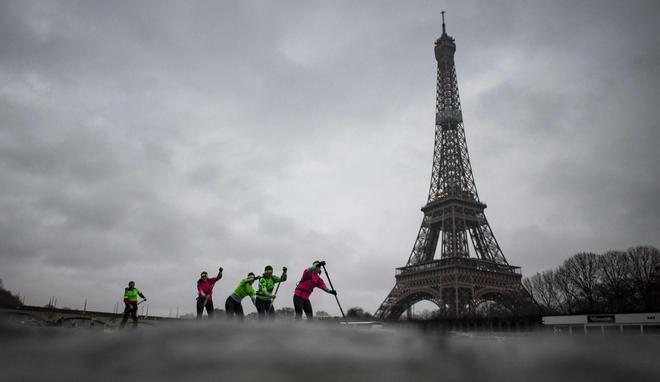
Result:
52,312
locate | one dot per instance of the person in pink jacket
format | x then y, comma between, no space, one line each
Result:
310,279
205,293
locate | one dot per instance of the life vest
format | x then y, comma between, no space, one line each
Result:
266,286
131,294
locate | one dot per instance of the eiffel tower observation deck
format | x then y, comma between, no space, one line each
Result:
471,278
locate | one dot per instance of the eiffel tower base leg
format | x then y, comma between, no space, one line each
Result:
461,288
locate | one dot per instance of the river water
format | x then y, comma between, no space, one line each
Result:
284,351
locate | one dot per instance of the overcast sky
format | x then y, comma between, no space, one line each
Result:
153,140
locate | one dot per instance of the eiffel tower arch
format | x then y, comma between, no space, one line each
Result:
462,282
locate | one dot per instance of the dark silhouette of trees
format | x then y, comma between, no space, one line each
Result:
358,313
546,291
8,298
285,312
580,276
642,262
614,282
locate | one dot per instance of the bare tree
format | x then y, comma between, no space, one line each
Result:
615,281
580,276
544,289
642,263
569,293
615,269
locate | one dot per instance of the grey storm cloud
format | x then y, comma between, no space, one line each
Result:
153,140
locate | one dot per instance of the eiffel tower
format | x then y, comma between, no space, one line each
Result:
461,285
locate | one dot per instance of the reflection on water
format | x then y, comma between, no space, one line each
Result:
222,351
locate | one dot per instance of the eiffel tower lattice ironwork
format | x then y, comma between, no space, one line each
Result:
459,284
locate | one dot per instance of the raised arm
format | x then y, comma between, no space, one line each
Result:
215,279
283,277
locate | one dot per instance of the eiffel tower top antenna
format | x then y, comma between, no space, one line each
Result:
443,23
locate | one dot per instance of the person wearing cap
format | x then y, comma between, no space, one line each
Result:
205,293
310,279
131,304
233,306
265,296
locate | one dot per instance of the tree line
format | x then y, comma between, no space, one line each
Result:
612,282
8,298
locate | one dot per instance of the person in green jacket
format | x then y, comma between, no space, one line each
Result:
233,304
265,294
131,302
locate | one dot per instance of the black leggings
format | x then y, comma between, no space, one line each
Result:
300,305
265,309
131,310
201,303
233,307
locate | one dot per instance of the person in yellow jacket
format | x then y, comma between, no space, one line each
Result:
265,296
233,306
131,303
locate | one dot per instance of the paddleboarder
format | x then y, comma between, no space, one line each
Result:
265,296
131,304
310,279
205,293
233,306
